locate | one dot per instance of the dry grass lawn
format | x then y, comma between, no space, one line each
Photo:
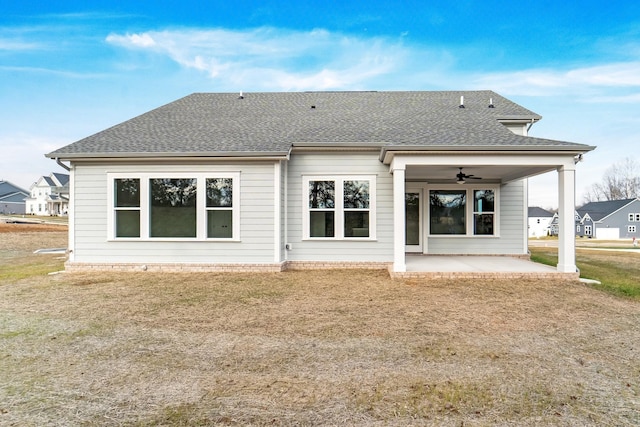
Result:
308,348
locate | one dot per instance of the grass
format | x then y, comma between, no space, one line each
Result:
618,272
311,348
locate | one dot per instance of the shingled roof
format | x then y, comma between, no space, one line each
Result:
261,124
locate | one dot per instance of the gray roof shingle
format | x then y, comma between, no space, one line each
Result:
270,123
599,210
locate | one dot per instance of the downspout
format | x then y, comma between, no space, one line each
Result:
65,167
530,125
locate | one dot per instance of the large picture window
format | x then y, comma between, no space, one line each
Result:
173,207
447,211
182,206
339,207
450,213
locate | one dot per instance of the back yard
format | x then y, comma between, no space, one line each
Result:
306,348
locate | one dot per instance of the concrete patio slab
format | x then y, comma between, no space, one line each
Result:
451,266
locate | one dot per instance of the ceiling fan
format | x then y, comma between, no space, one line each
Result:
462,177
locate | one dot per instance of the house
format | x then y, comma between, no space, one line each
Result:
539,221
274,181
12,198
611,219
49,195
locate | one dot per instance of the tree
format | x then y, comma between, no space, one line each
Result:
620,181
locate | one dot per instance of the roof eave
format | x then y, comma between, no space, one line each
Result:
387,152
263,155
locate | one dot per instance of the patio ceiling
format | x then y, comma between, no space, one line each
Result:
446,174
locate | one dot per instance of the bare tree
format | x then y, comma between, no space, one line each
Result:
620,181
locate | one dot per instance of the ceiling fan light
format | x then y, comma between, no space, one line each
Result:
460,181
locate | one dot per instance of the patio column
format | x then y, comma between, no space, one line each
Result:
399,265
566,221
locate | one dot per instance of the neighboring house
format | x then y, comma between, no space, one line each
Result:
12,198
49,195
272,181
539,222
612,219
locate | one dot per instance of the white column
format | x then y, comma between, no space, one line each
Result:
399,265
566,221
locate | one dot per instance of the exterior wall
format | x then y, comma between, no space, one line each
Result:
583,227
12,206
539,226
257,215
339,163
512,230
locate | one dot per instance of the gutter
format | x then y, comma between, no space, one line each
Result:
392,150
62,165
262,155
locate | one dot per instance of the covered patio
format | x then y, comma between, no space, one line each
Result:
473,257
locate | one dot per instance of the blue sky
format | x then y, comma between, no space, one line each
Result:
69,69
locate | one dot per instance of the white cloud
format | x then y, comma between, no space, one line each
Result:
266,58
17,45
586,81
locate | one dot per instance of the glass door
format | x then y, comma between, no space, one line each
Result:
413,220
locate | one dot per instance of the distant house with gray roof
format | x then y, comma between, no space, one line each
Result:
12,198
611,219
273,181
539,221
49,195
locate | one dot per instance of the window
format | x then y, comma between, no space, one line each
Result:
631,228
637,217
220,208
127,207
173,207
577,228
631,217
182,206
587,230
483,212
447,211
339,207
450,214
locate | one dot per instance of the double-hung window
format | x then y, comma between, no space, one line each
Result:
450,213
186,206
127,207
339,207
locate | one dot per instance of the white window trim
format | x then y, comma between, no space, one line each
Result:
631,228
201,205
339,206
588,230
468,210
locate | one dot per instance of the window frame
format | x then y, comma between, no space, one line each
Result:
588,230
339,210
631,229
201,208
469,210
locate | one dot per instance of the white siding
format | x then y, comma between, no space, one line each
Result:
340,163
512,230
257,233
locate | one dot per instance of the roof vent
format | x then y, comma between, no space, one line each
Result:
241,96
491,103
461,102
313,107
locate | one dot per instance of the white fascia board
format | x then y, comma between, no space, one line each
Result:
176,156
387,153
